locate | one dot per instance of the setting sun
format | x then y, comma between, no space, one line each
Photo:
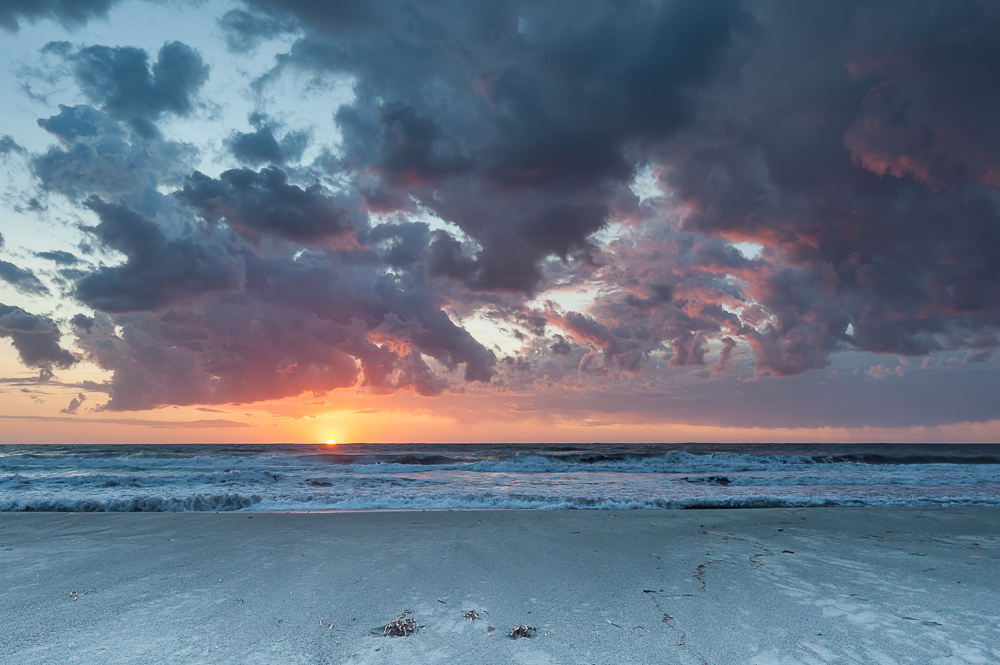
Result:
331,442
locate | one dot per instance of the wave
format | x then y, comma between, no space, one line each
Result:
134,504
431,477
462,501
874,458
496,460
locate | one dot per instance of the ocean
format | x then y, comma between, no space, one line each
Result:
131,478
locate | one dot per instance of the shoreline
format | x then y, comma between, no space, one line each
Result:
760,585
362,511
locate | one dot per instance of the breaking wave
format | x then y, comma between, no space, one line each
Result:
449,477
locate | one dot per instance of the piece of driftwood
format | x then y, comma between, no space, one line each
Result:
404,626
522,631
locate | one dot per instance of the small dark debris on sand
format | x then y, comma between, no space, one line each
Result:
404,626
522,631
471,615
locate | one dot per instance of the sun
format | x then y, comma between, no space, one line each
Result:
331,442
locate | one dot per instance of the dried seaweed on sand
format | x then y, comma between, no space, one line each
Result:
404,626
522,631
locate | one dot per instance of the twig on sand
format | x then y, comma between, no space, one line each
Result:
401,627
522,631
676,595
624,628
471,615
74,594
805,649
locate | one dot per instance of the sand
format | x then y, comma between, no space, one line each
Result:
820,585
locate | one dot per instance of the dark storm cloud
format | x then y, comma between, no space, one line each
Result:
36,338
99,156
661,294
516,123
863,150
560,346
70,13
266,203
75,122
195,315
853,145
22,279
262,145
122,81
412,148
399,245
857,146
159,270
59,257
299,326
83,322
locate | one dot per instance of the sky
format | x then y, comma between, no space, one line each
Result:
551,221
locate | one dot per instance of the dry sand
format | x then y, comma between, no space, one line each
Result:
821,585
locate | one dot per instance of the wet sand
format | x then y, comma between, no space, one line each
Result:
819,585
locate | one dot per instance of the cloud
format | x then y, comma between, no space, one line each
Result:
159,270
71,14
8,146
36,338
59,257
339,17
122,81
299,326
725,362
197,314
859,176
139,422
661,294
244,31
266,203
533,150
819,182
98,156
74,404
262,146
925,118
22,279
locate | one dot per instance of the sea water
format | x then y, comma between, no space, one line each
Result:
127,478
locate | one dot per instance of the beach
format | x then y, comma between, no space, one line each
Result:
782,585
